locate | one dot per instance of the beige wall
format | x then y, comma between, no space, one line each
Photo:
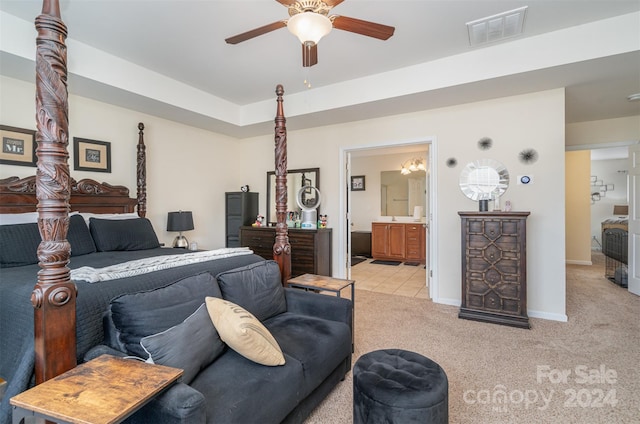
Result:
604,131
514,123
191,169
187,168
578,207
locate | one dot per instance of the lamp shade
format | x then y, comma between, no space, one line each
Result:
309,26
180,221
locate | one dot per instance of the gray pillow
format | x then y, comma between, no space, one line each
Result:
256,287
190,345
19,245
141,314
79,236
123,234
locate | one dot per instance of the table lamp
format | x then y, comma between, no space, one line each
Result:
180,221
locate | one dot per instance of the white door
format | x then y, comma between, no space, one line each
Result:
634,219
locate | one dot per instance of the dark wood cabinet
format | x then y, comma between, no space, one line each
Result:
494,267
310,249
241,208
398,241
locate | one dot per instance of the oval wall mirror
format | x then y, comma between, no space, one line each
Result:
484,179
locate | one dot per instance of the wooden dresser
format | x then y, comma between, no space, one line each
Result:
398,241
494,267
310,249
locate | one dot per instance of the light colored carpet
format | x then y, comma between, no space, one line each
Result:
484,360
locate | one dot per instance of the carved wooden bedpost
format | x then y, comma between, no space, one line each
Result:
281,248
141,172
54,296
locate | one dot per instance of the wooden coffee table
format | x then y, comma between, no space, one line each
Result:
105,390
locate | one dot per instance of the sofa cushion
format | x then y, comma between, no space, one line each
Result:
123,234
240,391
319,344
191,345
244,333
144,313
255,287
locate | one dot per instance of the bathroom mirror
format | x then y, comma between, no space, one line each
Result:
296,179
400,194
484,179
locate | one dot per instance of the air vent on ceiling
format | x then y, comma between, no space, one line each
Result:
496,27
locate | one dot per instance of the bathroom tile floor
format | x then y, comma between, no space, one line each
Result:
401,280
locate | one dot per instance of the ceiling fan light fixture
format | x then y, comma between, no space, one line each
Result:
309,26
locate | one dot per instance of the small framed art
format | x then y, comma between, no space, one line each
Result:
91,155
357,183
18,146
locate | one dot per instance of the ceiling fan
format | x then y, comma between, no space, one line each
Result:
308,20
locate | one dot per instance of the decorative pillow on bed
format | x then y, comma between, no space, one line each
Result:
123,234
79,237
19,245
190,345
244,333
256,287
141,314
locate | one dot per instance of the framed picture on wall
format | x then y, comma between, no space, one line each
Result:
357,183
18,146
91,155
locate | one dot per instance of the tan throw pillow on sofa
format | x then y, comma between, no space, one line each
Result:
239,329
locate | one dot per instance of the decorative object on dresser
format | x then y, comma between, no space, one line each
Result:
180,221
494,267
308,206
484,180
241,208
398,241
310,249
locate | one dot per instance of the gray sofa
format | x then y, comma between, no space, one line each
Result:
220,385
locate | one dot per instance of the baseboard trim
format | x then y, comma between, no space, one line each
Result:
575,262
447,301
532,314
547,315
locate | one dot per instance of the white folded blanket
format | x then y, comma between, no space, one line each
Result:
156,263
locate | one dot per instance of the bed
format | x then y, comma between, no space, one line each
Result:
48,321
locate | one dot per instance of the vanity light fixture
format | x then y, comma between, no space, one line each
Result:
413,165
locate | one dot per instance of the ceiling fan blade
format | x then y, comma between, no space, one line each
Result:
332,3
256,32
309,55
370,29
286,2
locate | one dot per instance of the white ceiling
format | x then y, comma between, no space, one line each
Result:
183,70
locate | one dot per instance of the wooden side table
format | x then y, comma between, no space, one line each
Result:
330,284
105,390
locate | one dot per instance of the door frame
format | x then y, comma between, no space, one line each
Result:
344,232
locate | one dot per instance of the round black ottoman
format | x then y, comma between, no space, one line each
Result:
398,386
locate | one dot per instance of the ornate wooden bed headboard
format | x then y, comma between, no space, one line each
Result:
18,195
52,192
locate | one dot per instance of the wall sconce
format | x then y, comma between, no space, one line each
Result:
413,165
180,221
